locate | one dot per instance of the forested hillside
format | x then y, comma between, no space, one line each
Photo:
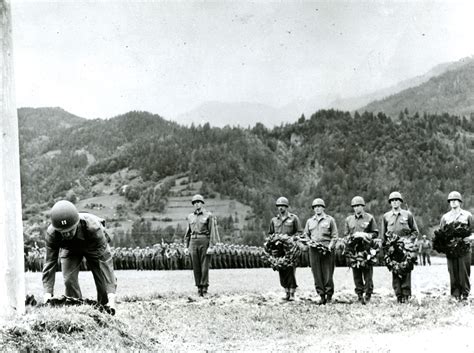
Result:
331,154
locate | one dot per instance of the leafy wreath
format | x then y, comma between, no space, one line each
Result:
400,252
287,251
361,250
451,240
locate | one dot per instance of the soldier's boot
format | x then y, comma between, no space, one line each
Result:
322,300
200,291
287,294
368,297
292,295
401,299
204,290
328,298
361,299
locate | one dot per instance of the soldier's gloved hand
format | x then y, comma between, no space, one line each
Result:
46,297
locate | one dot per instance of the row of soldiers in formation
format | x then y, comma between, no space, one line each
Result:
174,256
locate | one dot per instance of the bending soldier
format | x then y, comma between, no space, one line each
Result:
73,236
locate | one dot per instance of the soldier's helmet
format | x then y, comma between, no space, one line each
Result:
64,216
395,196
197,198
318,202
282,201
454,195
357,201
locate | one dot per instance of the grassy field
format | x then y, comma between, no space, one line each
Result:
159,311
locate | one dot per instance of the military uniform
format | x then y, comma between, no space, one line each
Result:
322,229
200,235
425,251
459,268
363,277
89,242
397,222
290,225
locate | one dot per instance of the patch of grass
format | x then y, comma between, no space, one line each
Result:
160,311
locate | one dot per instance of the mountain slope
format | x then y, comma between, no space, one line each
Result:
451,92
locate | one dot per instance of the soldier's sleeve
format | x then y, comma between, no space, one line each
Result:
442,223
297,225
334,233
412,223
187,235
372,228
306,232
214,237
346,228
470,223
271,230
51,262
383,229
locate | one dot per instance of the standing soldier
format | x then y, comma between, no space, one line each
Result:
364,222
399,222
459,268
322,229
201,234
76,236
289,224
425,250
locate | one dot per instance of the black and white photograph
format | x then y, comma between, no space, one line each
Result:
244,176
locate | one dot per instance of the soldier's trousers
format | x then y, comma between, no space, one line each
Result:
459,273
200,260
363,280
426,259
102,270
322,267
402,286
287,277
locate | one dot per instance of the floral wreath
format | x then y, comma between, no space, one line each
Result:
361,250
451,240
400,252
321,248
288,251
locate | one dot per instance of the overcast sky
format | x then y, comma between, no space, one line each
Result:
101,59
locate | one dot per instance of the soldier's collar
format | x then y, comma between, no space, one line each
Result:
321,216
359,216
201,211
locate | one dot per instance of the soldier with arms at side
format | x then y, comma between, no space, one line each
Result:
201,235
322,229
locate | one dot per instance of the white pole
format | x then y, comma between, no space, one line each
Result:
12,276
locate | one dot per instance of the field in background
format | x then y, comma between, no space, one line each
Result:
159,310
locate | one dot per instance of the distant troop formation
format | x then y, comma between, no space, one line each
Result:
176,256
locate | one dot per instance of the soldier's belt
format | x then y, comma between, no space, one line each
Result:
195,236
